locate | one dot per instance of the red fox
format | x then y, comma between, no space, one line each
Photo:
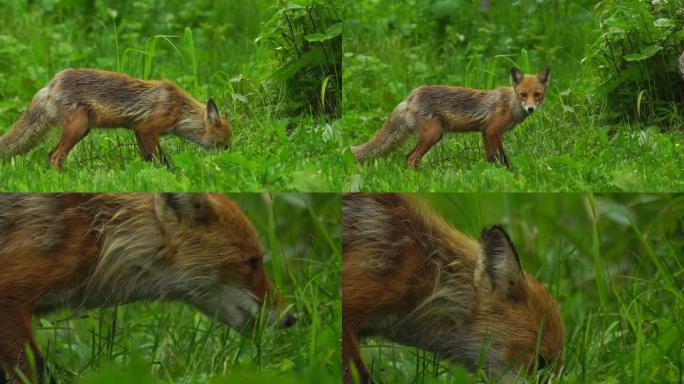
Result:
78,99
95,250
430,111
410,278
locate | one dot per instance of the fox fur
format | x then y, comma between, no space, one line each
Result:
410,278
79,99
86,251
431,111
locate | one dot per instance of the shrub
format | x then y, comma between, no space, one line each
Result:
636,53
307,38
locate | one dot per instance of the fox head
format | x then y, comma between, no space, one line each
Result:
515,315
530,89
217,130
216,256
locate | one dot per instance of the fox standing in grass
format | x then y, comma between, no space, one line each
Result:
79,99
430,111
95,250
410,278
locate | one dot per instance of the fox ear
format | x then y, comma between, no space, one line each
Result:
212,112
517,76
544,75
192,208
501,264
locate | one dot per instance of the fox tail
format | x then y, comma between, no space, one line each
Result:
390,136
31,127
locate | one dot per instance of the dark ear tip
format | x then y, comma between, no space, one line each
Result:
489,231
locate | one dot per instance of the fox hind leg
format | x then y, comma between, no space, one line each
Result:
76,126
430,134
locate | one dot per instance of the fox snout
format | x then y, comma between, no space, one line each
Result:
286,321
530,108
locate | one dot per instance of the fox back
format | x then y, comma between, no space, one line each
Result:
410,278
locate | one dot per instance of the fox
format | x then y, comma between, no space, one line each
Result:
79,99
411,278
432,110
86,251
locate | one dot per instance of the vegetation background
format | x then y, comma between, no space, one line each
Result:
615,263
173,342
612,119
273,67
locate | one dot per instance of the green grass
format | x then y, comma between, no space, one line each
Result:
206,47
391,48
615,264
173,342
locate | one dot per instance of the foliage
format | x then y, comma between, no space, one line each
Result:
307,37
615,263
636,53
173,342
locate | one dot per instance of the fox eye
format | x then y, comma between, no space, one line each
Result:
523,94
254,263
537,94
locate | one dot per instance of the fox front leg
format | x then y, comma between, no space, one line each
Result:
18,350
493,144
150,147
351,359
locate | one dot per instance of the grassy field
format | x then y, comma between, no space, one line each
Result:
615,264
393,47
172,342
206,47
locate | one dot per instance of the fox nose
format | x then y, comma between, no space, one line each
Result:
287,321
530,109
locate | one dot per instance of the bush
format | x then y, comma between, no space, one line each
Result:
307,38
637,54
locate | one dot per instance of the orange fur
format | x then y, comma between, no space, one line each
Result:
95,250
409,277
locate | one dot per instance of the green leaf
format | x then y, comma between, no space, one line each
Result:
290,69
644,54
664,22
330,33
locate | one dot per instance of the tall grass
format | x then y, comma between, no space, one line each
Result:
615,265
206,47
172,342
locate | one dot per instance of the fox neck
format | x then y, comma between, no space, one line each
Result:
135,261
517,111
439,321
190,126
